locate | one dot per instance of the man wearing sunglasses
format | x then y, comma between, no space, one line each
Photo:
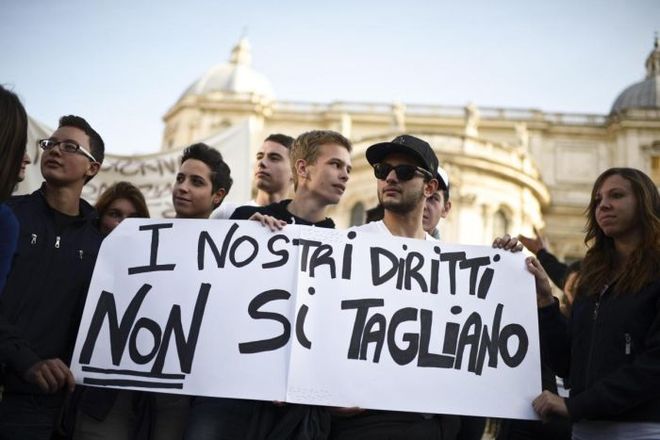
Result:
406,172
41,304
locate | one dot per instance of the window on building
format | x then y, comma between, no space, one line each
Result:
357,214
500,224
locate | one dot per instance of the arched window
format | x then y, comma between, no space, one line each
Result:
500,224
357,214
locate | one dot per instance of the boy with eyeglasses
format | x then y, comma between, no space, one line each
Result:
42,302
406,171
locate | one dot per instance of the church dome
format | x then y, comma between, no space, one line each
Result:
236,77
644,94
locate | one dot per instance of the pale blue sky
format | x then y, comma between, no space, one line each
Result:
121,64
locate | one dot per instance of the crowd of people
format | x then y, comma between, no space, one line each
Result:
603,342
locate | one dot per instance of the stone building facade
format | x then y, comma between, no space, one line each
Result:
510,168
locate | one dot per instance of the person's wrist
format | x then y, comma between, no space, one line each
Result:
545,301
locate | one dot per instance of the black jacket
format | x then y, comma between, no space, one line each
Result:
556,269
41,305
610,350
279,211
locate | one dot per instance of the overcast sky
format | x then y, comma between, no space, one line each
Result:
122,64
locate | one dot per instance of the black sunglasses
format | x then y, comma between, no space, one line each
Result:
403,172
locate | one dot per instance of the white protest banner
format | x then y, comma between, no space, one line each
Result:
311,315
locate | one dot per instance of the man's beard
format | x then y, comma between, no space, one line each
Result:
405,204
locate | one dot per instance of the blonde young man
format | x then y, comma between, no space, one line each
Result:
321,165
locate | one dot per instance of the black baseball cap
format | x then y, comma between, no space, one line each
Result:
405,144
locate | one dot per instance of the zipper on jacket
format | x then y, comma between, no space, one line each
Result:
57,242
34,239
600,297
628,344
80,252
593,333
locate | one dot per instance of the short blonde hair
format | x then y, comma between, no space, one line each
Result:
307,147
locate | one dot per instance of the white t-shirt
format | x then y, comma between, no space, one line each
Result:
226,209
379,227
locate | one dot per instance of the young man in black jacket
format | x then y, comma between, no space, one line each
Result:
321,164
41,304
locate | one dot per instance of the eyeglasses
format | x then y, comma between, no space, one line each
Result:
403,172
66,146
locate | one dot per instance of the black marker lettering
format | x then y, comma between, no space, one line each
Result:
234,248
300,327
118,332
282,253
150,326
452,258
469,336
220,257
426,358
306,244
347,260
490,344
414,262
322,255
362,306
153,256
408,354
374,331
484,283
513,330
377,277
185,348
253,310
474,264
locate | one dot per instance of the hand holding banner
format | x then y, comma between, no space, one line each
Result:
310,315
